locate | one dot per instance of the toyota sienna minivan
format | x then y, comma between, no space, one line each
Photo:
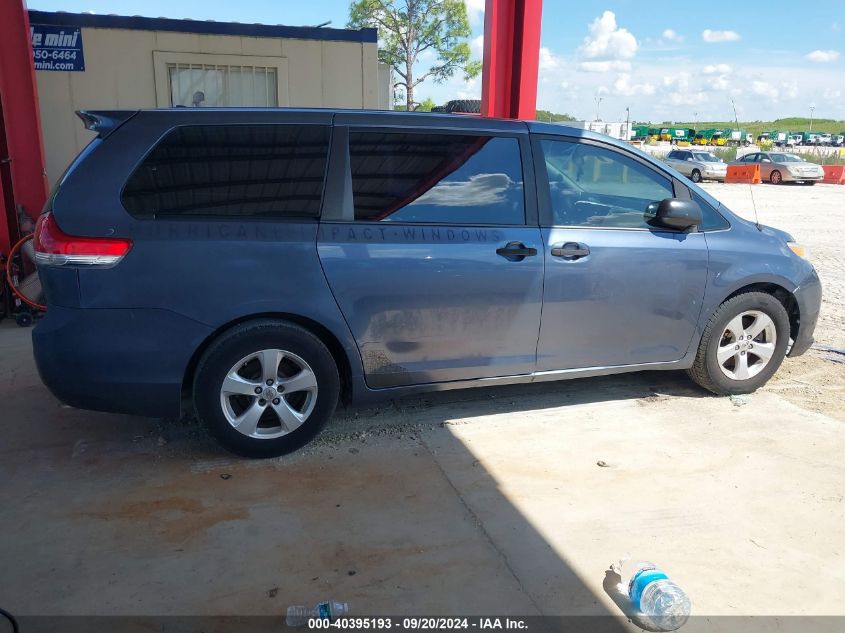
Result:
256,266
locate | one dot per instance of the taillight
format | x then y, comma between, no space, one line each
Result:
55,248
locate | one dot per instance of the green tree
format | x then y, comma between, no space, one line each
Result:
408,28
427,105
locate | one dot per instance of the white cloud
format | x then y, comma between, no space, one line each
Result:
679,80
548,61
822,56
687,98
605,67
720,83
672,36
717,69
479,190
719,36
789,89
764,89
832,95
475,11
476,46
469,90
623,86
607,42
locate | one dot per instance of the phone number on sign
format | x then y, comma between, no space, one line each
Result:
387,623
55,55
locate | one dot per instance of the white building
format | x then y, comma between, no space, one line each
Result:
614,129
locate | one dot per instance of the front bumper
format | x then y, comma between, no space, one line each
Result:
117,360
788,176
809,298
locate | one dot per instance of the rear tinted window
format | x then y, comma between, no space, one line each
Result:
232,170
436,178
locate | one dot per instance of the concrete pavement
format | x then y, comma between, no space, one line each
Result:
474,502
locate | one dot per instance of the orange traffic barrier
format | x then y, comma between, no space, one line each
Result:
834,174
744,173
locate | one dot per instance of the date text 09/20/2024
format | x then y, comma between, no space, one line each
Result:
419,623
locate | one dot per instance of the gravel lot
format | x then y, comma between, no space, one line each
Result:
815,216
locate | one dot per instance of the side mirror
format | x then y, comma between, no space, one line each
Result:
678,214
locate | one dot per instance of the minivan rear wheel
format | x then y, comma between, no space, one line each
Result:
743,344
265,388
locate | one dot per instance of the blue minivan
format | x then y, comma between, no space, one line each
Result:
256,266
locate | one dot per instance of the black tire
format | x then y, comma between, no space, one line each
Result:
464,106
695,176
809,183
775,177
246,339
706,371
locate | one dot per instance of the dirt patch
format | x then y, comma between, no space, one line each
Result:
177,519
813,382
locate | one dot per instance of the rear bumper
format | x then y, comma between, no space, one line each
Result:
122,361
809,298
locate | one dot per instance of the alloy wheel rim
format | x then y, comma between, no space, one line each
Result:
268,394
747,345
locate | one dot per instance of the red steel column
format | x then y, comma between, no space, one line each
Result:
21,120
511,58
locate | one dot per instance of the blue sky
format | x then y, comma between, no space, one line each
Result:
773,59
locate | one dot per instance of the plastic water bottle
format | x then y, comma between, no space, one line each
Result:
659,599
299,615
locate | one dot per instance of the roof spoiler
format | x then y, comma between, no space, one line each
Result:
104,122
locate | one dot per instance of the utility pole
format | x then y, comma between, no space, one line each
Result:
628,123
695,115
736,119
812,107
598,103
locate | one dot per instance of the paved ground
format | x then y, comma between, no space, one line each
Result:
481,501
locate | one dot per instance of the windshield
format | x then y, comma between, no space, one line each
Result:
785,158
706,157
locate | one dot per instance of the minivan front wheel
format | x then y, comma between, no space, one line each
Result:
743,344
265,388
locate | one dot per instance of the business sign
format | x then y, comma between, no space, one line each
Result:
57,47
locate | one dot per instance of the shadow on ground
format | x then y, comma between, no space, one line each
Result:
109,515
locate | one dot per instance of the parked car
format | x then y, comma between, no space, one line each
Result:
258,266
778,167
698,165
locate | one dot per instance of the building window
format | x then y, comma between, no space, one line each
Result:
212,80
232,170
212,85
436,178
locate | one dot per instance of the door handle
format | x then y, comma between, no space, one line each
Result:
516,251
570,250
